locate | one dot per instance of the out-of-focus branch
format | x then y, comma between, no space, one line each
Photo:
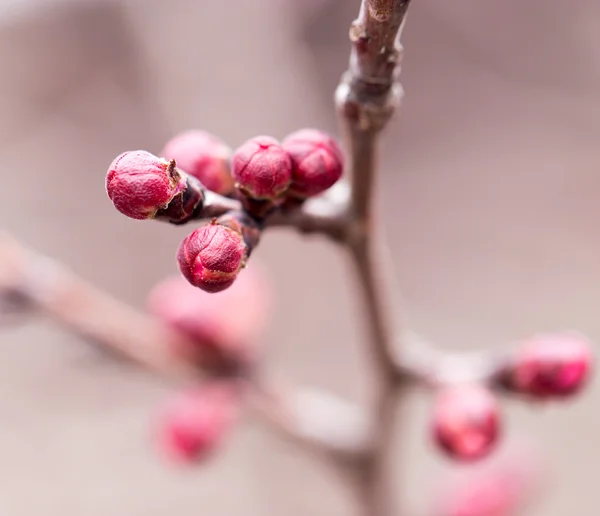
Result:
79,306
421,363
313,417
327,426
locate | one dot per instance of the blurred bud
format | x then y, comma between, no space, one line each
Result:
203,156
139,184
551,366
466,421
262,170
211,257
499,487
194,423
489,495
227,325
317,162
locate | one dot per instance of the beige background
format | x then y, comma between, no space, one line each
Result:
490,200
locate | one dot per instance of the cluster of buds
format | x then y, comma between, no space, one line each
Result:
466,419
200,177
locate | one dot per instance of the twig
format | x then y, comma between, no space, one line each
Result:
366,99
327,215
313,418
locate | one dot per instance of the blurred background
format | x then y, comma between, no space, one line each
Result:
490,199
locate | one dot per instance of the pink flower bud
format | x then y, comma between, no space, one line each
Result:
195,422
317,162
491,495
551,366
139,184
466,421
498,487
227,325
262,169
204,156
211,257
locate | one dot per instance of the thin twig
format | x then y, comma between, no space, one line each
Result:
327,215
313,418
216,205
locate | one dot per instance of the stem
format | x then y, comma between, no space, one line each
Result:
326,215
381,335
377,488
366,98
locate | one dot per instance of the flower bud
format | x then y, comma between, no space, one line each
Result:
143,186
551,366
262,170
501,486
466,421
203,156
139,184
317,162
195,422
211,257
226,326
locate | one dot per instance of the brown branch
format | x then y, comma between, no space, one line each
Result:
369,92
366,99
86,310
331,429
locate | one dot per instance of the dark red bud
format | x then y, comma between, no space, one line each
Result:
317,162
262,170
140,184
211,257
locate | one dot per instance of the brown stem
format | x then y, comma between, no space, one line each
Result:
216,205
366,98
326,215
369,92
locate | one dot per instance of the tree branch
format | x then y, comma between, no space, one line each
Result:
369,91
328,427
366,98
